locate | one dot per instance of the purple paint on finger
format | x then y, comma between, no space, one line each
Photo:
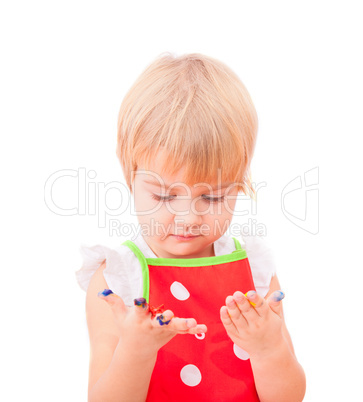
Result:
161,320
105,292
141,301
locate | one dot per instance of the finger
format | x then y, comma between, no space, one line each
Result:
141,306
246,308
235,314
183,325
187,326
162,319
199,329
227,322
259,303
113,300
243,304
274,301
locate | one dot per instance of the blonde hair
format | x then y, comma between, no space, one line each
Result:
196,108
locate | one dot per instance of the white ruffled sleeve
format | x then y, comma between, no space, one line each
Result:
262,262
122,273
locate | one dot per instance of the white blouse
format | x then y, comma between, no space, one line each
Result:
123,270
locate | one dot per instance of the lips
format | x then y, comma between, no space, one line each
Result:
186,236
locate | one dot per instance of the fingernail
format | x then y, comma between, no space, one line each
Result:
231,303
141,301
239,297
190,324
105,292
277,296
251,294
162,320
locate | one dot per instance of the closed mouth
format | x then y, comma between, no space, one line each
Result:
186,235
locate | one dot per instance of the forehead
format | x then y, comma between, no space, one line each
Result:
156,180
156,174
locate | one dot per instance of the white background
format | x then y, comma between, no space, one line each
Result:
65,68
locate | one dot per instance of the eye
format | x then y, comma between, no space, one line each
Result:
204,198
212,200
161,198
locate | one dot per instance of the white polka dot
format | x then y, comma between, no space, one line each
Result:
200,336
190,375
179,291
240,353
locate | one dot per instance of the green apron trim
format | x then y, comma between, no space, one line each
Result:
144,268
198,262
237,254
237,244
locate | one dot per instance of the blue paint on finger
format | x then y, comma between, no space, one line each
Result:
277,296
105,292
161,320
141,301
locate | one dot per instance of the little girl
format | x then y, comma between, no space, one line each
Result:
183,312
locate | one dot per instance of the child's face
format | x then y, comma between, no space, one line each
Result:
199,210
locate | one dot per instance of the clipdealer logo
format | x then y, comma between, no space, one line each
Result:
305,191
108,201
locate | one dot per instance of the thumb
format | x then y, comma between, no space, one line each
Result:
274,302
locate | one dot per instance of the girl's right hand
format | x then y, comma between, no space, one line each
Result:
143,332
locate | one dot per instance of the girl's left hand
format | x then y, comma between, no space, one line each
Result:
256,329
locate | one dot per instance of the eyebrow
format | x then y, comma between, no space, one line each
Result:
157,183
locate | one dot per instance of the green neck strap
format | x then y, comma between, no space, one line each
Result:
237,254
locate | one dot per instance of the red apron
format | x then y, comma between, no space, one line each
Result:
206,367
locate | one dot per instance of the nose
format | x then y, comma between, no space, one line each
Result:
189,220
187,215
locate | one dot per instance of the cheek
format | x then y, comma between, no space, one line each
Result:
221,210
161,214
223,213
230,203
142,205
146,204
152,211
